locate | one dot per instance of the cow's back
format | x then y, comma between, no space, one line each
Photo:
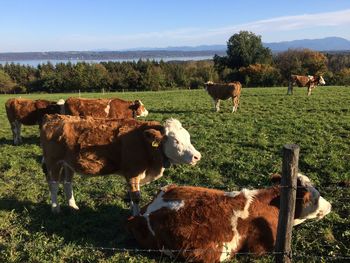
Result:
92,146
187,218
120,109
87,107
25,111
98,108
301,81
223,91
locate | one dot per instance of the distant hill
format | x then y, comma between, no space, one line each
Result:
329,44
323,44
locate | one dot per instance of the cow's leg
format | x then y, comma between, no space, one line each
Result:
216,105
68,187
135,195
290,88
53,187
19,132
16,132
309,89
52,177
235,102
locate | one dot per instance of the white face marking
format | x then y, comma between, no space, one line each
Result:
178,147
159,203
318,207
243,214
144,112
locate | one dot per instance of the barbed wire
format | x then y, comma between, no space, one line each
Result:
223,188
292,254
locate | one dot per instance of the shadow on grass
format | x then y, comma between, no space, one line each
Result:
103,226
25,140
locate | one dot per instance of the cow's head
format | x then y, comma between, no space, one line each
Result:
60,103
208,83
321,81
139,108
54,108
175,142
309,203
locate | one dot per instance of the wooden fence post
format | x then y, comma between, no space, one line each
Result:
287,203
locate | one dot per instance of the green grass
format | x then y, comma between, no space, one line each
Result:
241,149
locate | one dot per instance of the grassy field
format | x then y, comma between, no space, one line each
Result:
238,150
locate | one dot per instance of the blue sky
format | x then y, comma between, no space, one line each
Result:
62,25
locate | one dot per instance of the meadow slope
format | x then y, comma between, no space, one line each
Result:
238,150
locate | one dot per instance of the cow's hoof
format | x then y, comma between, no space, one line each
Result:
56,209
74,207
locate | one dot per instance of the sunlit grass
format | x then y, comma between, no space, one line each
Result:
239,150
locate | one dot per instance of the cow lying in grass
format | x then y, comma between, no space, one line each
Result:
223,92
310,82
29,112
208,225
105,108
137,150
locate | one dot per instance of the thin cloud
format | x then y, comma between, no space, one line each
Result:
215,35
294,27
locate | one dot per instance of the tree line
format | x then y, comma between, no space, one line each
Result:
246,60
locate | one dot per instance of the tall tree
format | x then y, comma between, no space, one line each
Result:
6,83
243,49
301,61
246,48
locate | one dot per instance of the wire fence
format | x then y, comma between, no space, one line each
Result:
298,255
176,252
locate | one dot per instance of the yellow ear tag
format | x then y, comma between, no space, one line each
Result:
155,144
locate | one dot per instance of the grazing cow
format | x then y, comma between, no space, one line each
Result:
105,108
29,112
207,225
137,150
223,92
305,81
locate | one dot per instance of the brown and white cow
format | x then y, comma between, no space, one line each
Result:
207,225
105,108
223,92
305,81
137,150
29,112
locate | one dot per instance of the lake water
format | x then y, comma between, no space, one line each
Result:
36,62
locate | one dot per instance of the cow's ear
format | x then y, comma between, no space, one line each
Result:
276,178
306,198
153,137
135,105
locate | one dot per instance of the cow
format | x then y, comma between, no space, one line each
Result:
305,81
223,92
105,108
29,112
208,225
137,150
